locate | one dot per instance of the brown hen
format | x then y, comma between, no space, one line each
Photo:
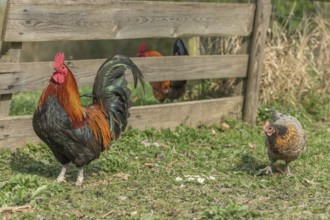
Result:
285,140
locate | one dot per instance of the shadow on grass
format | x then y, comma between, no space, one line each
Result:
46,165
249,164
24,163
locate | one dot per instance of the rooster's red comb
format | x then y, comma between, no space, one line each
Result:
142,48
59,60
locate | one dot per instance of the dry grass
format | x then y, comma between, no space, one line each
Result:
297,64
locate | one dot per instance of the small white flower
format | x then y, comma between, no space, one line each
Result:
178,179
200,180
122,198
191,179
211,178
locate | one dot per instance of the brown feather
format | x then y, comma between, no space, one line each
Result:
285,144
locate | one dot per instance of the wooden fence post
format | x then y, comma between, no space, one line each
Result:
261,23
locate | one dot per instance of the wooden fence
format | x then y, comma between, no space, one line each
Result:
49,20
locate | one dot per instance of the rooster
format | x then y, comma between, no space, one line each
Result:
79,134
285,140
166,89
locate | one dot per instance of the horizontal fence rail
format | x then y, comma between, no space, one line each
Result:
45,20
22,77
17,131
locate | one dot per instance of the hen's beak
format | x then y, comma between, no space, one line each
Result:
265,126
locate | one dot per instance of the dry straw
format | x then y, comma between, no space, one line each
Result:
296,64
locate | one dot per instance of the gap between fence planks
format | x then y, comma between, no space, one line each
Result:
16,131
23,77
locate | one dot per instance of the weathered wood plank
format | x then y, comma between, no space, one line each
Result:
17,131
90,20
5,100
261,23
11,56
192,113
35,75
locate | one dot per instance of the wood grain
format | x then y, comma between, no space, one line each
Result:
261,23
17,131
30,20
11,56
35,75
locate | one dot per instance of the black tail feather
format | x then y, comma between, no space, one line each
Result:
111,91
179,48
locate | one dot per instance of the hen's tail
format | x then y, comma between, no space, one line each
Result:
110,90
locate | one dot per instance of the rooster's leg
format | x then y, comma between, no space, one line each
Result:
80,177
61,176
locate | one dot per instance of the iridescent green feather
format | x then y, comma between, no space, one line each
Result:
110,90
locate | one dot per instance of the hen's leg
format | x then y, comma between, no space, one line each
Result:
61,176
80,177
288,172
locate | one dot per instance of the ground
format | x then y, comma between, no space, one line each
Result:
186,173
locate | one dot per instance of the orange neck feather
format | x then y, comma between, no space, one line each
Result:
68,96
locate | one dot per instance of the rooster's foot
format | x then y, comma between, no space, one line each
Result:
61,176
61,179
80,177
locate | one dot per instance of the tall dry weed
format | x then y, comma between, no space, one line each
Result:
298,64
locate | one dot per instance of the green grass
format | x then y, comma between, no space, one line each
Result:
119,185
